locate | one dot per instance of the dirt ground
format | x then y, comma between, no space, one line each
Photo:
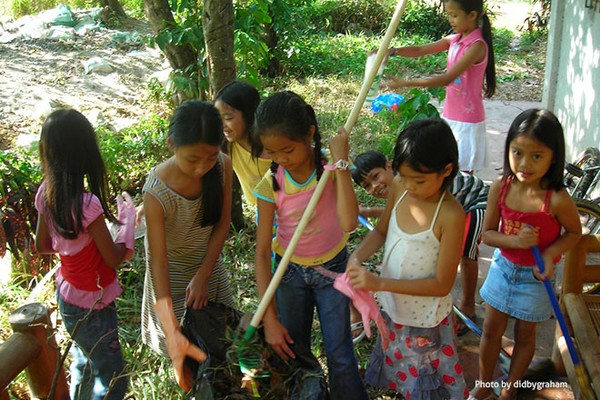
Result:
38,74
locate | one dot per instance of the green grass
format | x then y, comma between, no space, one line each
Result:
327,72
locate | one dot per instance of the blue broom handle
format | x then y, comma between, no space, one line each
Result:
365,222
557,311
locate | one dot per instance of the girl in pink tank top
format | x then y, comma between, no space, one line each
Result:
528,206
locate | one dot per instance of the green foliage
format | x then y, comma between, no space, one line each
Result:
132,152
503,40
342,16
187,31
424,18
251,52
417,105
537,21
20,173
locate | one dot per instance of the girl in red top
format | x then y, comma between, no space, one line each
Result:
72,206
528,206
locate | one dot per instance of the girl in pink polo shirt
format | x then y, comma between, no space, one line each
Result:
288,133
470,59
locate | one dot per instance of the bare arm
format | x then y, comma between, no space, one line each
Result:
490,234
112,253
197,290
371,212
473,55
275,333
157,243
451,222
43,241
375,238
566,213
422,50
347,206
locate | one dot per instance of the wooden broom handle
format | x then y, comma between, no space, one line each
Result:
362,95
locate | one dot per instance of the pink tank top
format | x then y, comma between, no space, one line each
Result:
512,221
464,96
323,231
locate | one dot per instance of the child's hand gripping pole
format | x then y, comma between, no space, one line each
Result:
245,365
178,346
582,379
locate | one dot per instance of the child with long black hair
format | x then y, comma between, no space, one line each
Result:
72,206
288,133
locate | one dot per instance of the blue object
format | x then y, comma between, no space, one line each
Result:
365,222
391,101
557,311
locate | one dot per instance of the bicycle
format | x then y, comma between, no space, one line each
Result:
582,176
589,215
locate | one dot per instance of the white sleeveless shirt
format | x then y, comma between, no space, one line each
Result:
412,256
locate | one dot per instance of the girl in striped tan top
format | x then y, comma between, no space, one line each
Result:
187,202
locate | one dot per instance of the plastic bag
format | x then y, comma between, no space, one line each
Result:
391,101
63,16
370,63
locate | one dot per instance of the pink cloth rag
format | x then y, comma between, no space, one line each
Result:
366,305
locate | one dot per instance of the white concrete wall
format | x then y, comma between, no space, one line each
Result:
572,84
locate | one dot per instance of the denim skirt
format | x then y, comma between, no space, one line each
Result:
514,290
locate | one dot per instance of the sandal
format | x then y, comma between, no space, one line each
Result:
357,327
462,328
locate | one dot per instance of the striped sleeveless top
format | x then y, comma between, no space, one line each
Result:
187,243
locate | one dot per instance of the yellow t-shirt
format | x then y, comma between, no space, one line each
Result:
248,170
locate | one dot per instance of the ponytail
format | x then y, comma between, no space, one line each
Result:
490,69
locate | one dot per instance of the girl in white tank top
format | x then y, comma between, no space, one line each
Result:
422,229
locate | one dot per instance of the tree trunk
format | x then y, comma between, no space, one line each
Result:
217,25
180,57
116,9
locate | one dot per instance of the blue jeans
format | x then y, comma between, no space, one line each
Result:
303,288
96,352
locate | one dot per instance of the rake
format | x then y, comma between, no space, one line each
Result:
251,363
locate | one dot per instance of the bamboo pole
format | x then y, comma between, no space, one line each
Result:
16,353
362,95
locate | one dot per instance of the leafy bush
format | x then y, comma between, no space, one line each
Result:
21,175
341,16
424,18
417,105
537,20
130,153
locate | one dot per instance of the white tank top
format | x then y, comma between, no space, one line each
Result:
412,256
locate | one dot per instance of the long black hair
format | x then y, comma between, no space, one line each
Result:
427,146
288,114
541,125
200,122
486,30
243,97
71,157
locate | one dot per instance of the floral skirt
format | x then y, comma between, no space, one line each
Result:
420,363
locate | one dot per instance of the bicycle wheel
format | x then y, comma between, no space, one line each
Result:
589,215
577,180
